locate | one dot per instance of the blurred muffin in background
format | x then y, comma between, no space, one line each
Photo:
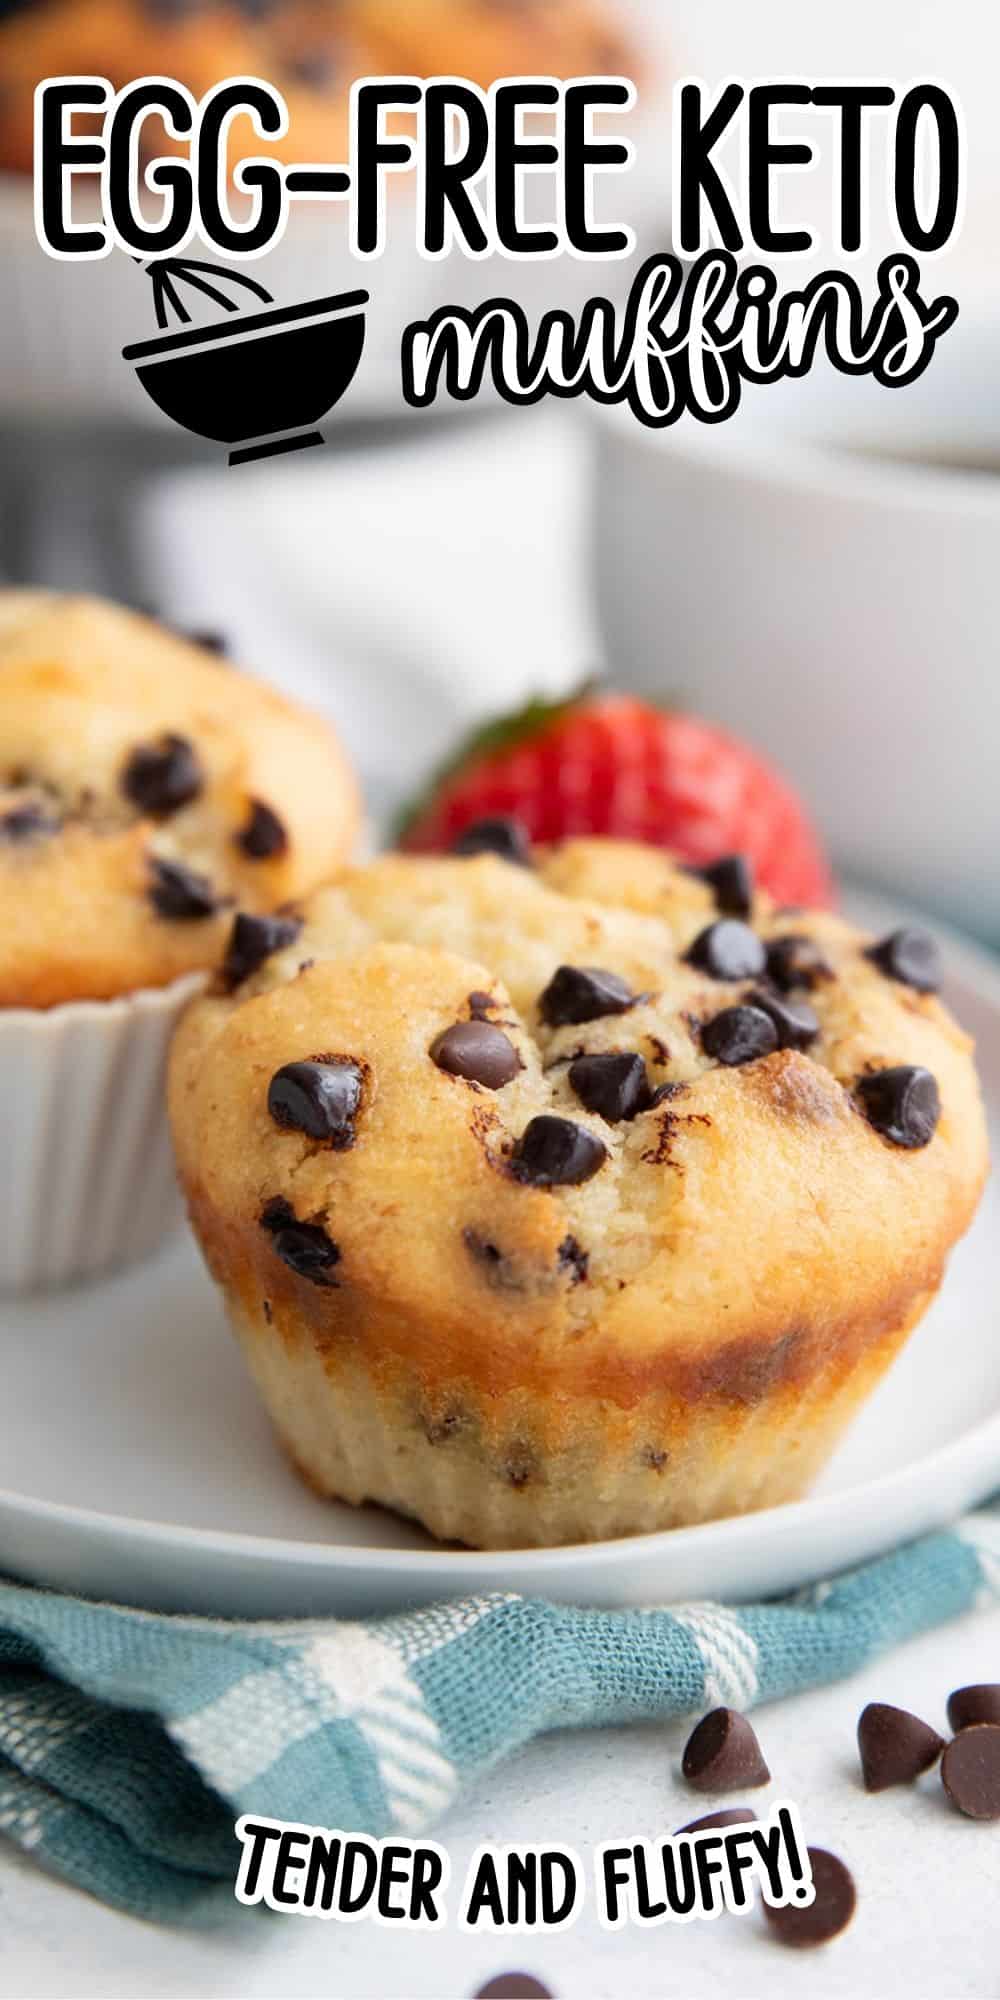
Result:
311,50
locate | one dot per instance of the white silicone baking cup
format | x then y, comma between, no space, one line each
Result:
88,1182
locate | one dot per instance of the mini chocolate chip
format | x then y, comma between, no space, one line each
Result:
304,1246
264,835
161,777
573,1259
722,1753
969,1705
910,956
739,1035
210,642
437,1430
481,1006
903,1104
520,1464
553,1152
827,1915
514,1986
315,67
796,960
726,1816
731,880
179,893
615,1086
318,1098
894,1746
794,1020
26,822
728,950
497,1269
506,837
654,1457
478,1053
252,940
970,1771
577,993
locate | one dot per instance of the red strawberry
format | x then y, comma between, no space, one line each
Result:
610,764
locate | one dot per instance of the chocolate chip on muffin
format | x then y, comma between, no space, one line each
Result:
254,939
796,1024
796,960
615,1086
161,777
902,1103
304,1246
26,822
319,1098
478,1053
264,834
573,1259
728,950
731,881
578,993
911,957
739,1035
554,1152
507,838
179,893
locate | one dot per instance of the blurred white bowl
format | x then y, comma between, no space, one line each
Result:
822,573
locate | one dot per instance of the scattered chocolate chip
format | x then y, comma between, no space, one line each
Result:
577,993
161,777
895,1746
830,1912
263,835
316,68
514,1986
210,642
477,1052
969,1705
437,1430
26,822
794,1020
318,1098
910,956
268,1312
722,1753
728,950
252,940
615,1086
179,893
796,960
904,1104
573,1259
304,1246
654,1457
553,1152
731,880
497,1269
726,1816
664,1092
970,1771
505,837
739,1035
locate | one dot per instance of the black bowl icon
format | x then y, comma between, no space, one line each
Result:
260,382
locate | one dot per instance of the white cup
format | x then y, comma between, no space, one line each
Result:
822,574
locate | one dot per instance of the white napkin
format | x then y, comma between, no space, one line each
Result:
406,589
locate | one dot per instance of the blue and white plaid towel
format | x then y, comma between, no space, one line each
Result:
129,1743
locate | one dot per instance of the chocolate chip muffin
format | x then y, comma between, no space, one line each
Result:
571,1195
147,789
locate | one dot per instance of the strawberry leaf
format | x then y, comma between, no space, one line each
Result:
499,732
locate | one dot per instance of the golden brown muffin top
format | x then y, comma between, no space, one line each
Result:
146,788
581,1104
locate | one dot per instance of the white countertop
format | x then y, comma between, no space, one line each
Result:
926,1923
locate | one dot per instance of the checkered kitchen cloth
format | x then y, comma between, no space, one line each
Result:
129,1743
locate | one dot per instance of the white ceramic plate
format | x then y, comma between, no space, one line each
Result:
138,1466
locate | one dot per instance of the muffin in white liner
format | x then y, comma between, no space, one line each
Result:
91,1183
147,792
